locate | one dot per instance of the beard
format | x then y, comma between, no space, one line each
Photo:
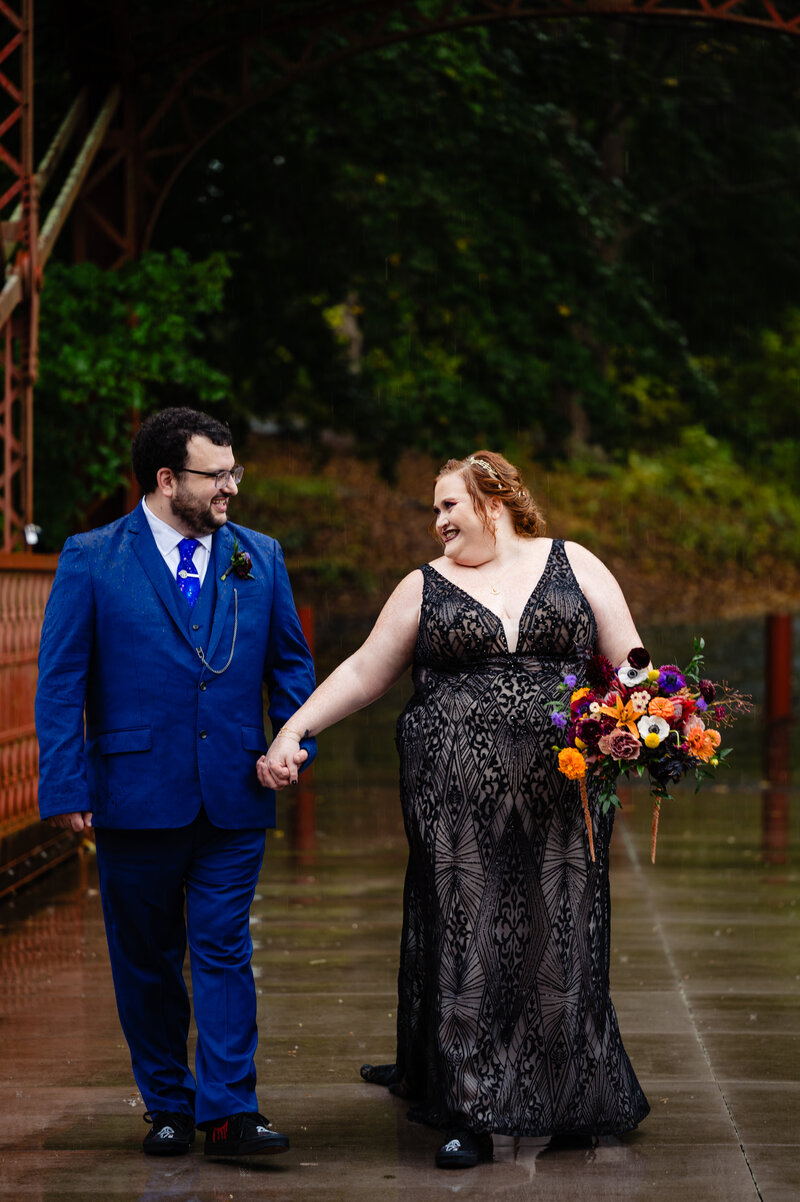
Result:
196,514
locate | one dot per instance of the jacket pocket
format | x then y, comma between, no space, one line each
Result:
254,739
116,742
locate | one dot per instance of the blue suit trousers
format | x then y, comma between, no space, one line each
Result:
159,887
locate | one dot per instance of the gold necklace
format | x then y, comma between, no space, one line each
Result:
502,576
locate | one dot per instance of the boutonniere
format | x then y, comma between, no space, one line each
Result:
241,564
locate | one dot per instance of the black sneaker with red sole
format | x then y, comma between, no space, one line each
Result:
243,1135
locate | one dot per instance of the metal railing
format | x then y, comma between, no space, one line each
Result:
27,846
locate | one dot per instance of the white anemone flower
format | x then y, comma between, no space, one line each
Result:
652,730
632,676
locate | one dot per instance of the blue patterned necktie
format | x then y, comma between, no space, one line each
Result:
188,577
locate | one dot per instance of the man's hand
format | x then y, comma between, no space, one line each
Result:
72,822
280,766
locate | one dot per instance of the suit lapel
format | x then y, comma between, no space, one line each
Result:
149,556
221,552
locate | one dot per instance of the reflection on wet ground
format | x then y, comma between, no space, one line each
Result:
705,977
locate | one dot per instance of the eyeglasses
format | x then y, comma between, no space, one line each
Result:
221,479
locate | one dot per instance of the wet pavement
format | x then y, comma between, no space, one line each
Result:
705,978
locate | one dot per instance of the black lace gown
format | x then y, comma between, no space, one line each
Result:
505,1022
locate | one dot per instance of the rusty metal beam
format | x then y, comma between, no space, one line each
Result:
19,300
64,134
47,168
71,188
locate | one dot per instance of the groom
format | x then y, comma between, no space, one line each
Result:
160,631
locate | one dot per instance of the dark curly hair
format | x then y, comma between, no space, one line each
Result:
162,439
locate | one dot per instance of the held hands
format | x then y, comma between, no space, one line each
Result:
281,765
72,822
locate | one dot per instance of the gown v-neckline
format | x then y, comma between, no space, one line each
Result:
498,620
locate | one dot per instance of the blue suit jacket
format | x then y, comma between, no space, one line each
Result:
162,734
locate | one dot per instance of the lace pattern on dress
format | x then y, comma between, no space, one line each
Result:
505,1021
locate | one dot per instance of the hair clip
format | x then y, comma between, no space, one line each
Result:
487,467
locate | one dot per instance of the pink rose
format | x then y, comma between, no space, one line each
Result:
620,745
693,723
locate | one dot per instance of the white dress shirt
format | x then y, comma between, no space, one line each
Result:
167,540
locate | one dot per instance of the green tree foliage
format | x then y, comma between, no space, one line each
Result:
115,346
575,240
533,234
759,397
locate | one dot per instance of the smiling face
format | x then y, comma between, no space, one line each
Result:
460,529
196,505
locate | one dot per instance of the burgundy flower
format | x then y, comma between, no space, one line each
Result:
707,690
573,733
638,657
242,566
590,730
581,706
599,673
720,712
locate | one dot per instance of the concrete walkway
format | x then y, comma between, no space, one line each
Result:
705,977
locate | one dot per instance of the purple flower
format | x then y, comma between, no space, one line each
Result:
700,704
670,679
558,720
570,680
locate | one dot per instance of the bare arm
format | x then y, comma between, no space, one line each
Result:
359,680
616,632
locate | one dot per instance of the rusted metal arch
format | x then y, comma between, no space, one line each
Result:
773,15
294,41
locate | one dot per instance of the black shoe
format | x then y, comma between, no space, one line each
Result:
171,1134
243,1135
463,1150
379,1074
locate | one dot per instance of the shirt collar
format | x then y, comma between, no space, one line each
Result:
166,536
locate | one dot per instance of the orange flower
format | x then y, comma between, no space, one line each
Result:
661,707
626,715
702,743
578,695
572,763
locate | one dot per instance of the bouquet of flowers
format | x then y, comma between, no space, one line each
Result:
637,719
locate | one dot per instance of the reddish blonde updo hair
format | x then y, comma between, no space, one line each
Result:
487,474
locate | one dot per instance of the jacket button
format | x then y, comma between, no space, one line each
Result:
195,626
203,734
203,686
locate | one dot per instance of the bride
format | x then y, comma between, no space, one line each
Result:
505,1021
